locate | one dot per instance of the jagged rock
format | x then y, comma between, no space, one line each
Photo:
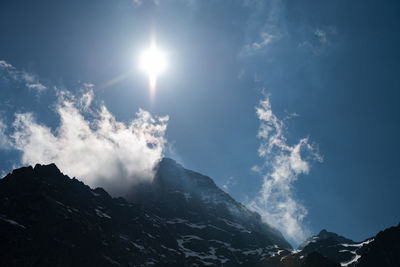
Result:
180,219
314,259
49,219
384,251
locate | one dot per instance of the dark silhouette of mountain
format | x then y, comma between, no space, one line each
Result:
180,219
314,259
381,250
330,245
49,219
384,251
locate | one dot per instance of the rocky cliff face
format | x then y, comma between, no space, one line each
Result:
180,219
48,219
380,250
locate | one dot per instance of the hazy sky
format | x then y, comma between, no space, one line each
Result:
280,102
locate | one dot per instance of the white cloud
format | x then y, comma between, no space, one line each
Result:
266,38
37,86
284,163
86,100
5,65
29,79
319,40
140,2
229,183
4,141
88,85
321,36
100,152
137,2
256,169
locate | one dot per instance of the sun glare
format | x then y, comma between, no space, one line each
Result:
153,61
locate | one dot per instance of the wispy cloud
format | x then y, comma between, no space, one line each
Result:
229,183
318,39
92,145
266,38
36,86
5,65
283,165
28,79
141,2
321,36
4,140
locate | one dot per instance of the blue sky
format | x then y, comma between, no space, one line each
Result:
329,70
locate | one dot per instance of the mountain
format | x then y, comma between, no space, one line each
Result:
315,259
384,251
48,219
381,250
181,218
332,246
192,205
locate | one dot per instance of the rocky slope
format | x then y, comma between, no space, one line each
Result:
48,219
381,250
180,219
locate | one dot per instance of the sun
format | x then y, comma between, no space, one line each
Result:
153,61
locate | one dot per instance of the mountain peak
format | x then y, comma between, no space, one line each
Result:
39,170
49,169
181,193
166,160
22,171
182,214
183,219
323,232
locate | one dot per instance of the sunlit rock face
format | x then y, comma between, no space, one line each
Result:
180,219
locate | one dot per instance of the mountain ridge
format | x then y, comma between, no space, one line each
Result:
45,210
181,219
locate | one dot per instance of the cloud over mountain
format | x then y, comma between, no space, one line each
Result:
283,164
91,144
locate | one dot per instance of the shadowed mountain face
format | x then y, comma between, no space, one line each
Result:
314,259
180,219
384,251
381,250
180,194
331,245
48,219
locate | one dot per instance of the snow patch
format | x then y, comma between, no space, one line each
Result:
187,223
125,238
238,226
4,218
208,258
356,256
102,214
111,260
358,244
